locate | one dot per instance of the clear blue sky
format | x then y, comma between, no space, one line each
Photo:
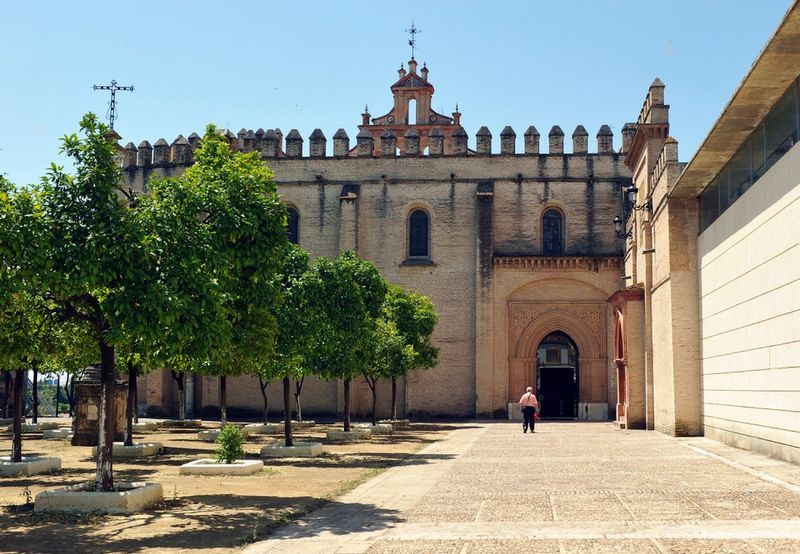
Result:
308,64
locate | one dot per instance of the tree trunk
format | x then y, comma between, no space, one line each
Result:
374,403
298,386
287,412
130,406
394,398
263,384
136,401
6,393
223,400
347,405
58,390
35,393
178,376
105,443
16,428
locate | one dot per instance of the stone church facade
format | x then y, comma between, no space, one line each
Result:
516,249
622,284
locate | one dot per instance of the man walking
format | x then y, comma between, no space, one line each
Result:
528,404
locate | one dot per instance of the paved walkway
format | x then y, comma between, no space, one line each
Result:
571,487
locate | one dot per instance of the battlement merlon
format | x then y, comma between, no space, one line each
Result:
448,141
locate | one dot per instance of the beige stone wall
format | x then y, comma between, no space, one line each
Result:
750,299
364,203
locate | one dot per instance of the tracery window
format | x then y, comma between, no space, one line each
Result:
418,234
552,233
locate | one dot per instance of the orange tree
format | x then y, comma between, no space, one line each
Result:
134,270
349,292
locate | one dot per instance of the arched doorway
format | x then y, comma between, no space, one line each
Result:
557,376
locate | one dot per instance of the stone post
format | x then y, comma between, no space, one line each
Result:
364,144
130,155
628,132
388,143
145,154
531,140
483,141
181,151
269,148
341,144
317,144
460,139
605,140
556,137
508,141
435,142
161,152
411,142
294,144
580,140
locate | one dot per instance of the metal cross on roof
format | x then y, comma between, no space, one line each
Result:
112,106
413,42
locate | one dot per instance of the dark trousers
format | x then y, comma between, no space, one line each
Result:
527,417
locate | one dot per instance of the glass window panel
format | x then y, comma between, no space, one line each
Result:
552,233
757,152
709,204
780,127
418,234
739,174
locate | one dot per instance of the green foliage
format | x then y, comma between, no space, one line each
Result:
229,445
348,292
414,319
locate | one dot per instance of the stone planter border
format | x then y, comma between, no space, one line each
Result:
379,429
36,427
145,426
62,433
210,435
208,466
396,423
299,450
265,428
355,434
136,450
127,499
30,465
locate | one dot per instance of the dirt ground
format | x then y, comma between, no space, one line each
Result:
199,514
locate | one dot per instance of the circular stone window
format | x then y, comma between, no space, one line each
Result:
390,119
432,119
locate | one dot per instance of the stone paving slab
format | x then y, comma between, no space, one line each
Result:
570,487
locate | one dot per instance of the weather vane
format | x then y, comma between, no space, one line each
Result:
413,41
112,106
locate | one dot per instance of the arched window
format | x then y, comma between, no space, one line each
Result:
293,227
418,234
552,233
412,112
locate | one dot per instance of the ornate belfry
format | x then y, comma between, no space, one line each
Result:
410,132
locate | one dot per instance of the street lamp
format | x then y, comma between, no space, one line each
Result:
632,192
618,228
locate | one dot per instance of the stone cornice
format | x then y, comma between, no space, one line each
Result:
644,132
559,263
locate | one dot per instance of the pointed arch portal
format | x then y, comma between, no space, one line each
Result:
561,349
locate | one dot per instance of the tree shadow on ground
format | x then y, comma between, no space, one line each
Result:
204,521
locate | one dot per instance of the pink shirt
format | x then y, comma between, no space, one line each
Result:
528,399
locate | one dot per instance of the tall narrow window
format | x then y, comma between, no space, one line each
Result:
293,227
412,112
552,233
418,235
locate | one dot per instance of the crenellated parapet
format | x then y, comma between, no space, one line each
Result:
271,144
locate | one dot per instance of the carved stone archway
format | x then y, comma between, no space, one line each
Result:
585,323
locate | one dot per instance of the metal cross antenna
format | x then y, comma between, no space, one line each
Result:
413,42
112,107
